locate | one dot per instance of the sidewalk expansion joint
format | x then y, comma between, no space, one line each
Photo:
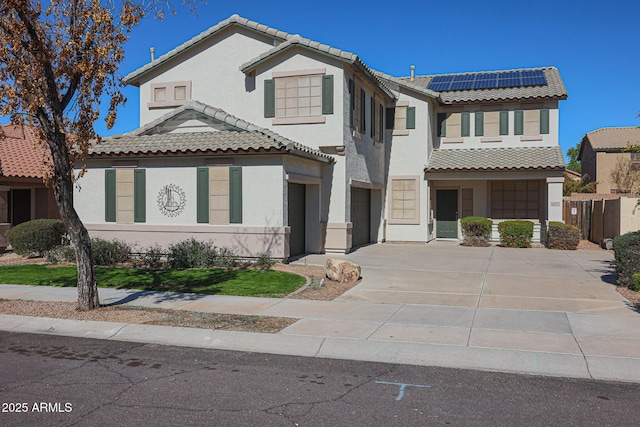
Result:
384,322
484,282
584,356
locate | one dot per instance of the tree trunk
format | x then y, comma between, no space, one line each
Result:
63,192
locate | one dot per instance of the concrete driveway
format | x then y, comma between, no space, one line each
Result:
447,274
500,299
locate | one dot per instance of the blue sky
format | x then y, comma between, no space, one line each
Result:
594,44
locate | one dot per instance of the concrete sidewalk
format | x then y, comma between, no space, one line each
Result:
531,311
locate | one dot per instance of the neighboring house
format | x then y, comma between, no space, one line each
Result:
602,149
23,195
267,141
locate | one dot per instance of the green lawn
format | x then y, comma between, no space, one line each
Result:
203,281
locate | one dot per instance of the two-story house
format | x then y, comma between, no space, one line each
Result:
267,141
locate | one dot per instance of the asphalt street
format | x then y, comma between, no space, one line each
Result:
56,380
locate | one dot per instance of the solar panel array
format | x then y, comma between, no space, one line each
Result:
487,80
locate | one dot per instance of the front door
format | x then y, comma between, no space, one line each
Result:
297,219
447,214
360,216
20,206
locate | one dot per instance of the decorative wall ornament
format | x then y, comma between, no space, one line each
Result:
171,200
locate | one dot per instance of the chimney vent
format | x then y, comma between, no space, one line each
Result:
153,53
413,72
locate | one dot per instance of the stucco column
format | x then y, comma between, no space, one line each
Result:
4,203
554,198
4,216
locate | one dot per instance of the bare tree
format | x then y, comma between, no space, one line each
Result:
56,62
625,176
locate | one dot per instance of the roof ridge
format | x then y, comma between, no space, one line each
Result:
233,19
223,116
482,72
613,127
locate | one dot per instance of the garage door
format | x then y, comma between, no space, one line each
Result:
361,216
297,215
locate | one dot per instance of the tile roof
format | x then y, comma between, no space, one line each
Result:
133,77
287,40
406,82
297,41
496,159
239,137
554,89
613,138
21,153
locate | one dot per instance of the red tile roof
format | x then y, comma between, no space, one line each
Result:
21,154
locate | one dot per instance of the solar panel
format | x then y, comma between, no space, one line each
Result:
463,81
533,78
441,83
510,79
486,81
503,79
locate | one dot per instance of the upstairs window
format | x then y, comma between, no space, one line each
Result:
298,97
170,94
491,123
401,119
531,122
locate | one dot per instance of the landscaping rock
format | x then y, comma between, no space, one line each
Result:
342,271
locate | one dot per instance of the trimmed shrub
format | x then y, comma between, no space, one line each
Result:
191,253
62,253
36,237
110,252
516,234
627,253
476,230
152,256
264,262
227,257
635,282
562,236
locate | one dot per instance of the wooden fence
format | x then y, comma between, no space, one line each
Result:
578,214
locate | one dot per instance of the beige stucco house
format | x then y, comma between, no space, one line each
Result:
602,149
268,141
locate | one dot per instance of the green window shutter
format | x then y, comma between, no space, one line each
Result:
139,195
352,101
269,98
372,132
544,121
518,122
235,194
479,123
363,111
391,118
110,195
411,117
381,123
504,123
466,124
327,94
442,124
202,199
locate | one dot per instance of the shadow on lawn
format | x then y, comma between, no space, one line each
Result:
200,281
166,285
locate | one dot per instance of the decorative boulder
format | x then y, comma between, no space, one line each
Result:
342,271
